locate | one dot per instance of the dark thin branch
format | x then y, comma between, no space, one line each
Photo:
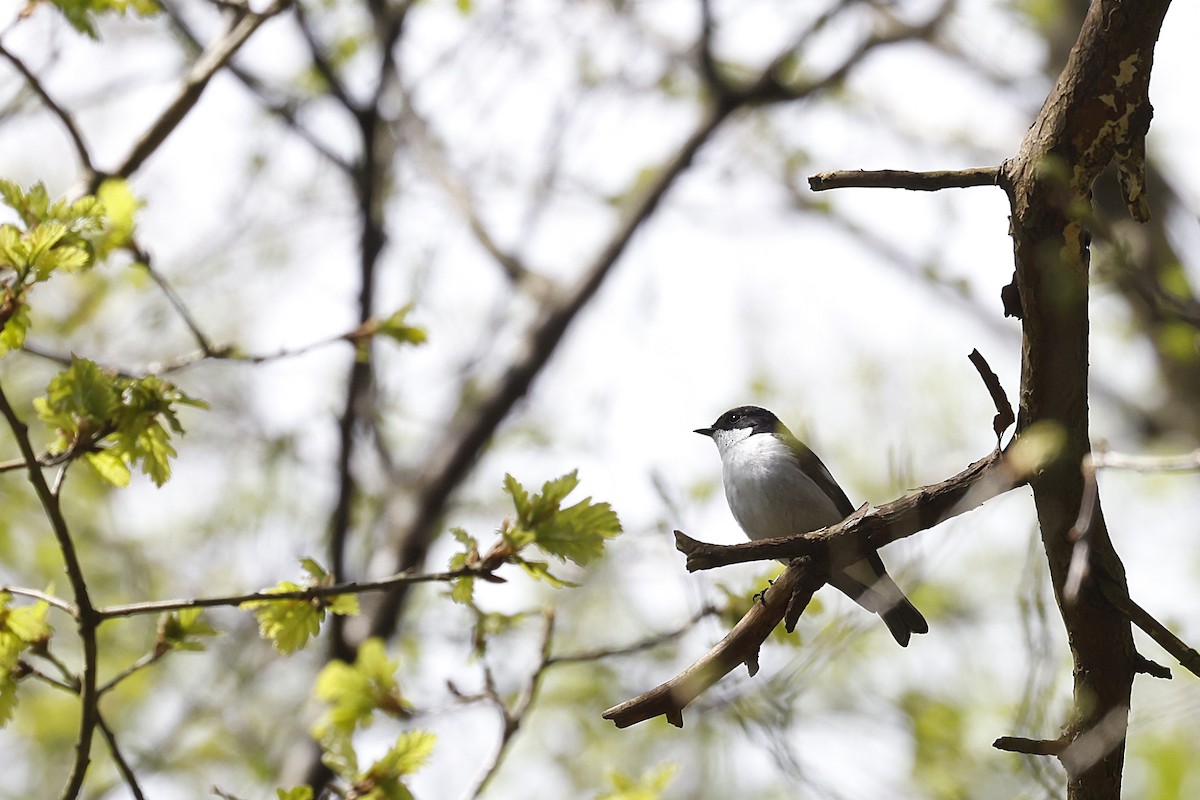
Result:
119,759
202,71
1031,747
85,616
639,646
470,430
68,122
902,179
1188,658
310,593
286,109
513,716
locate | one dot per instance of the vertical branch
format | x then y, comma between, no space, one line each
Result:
1098,110
85,613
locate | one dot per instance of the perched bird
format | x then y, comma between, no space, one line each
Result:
776,486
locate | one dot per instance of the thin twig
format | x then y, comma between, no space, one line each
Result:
1188,658
68,122
120,760
309,593
49,599
639,646
513,716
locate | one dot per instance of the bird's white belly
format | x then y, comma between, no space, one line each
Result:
768,493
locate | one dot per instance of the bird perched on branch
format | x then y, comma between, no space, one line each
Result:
776,486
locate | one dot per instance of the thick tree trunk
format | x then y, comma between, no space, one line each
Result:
1099,111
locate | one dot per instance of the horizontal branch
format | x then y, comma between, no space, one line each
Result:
1031,747
902,179
867,530
309,593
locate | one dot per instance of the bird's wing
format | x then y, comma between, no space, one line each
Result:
820,475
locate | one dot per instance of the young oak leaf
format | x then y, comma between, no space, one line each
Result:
354,692
20,629
183,630
290,622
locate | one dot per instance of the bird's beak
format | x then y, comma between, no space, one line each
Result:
704,431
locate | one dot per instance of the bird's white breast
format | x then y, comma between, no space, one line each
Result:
767,491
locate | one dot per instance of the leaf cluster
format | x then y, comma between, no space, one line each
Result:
82,13
290,623
114,421
354,692
21,629
576,533
52,236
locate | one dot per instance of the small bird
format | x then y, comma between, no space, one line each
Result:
776,486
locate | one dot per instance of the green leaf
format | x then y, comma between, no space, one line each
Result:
298,793
355,692
649,786
408,755
115,421
462,591
110,466
289,624
519,496
394,327
541,571
120,204
20,628
578,533
183,630
16,324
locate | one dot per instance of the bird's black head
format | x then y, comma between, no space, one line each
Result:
758,420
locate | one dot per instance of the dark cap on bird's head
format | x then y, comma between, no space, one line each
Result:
759,420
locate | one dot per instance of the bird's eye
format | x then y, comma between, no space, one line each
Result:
736,418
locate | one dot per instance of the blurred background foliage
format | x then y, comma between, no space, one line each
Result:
475,159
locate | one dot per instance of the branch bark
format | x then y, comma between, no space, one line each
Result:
1098,111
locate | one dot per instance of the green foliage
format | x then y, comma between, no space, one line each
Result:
53,236
114,421
395,327
353,694
648,787
576,533
21,628
82,13
183,630
290,623
298,793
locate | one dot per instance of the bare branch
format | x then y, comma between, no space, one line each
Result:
309,593
865,530
902,179
1188,658
68,122
202,71
1031,747
119,759
790,593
